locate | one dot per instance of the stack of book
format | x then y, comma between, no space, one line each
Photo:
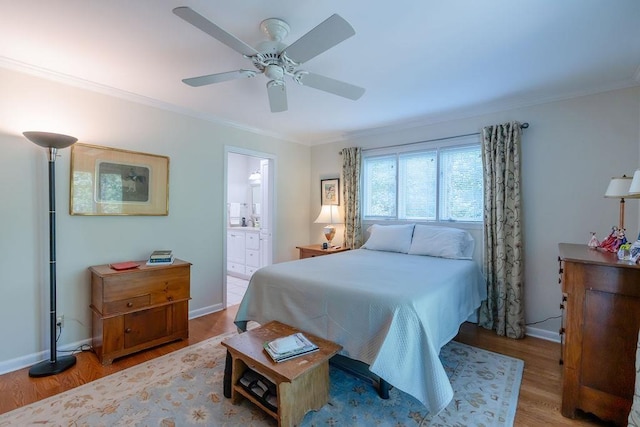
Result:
288,347
161,257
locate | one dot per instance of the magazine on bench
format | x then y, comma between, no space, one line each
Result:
288,347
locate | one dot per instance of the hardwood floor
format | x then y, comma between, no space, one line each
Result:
538,405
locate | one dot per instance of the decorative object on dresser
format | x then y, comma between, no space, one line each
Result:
53,142
329,214
110,181
601,299
620,188
161,257
317,250
244,253
140,308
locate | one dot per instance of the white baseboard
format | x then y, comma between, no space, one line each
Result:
31,359
205,310
543,334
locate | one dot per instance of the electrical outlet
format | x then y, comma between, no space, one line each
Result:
60,320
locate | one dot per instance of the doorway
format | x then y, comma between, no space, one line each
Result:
249,218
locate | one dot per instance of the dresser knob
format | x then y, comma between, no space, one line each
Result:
170,298
129,304
128,330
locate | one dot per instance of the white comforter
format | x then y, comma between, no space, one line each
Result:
391,311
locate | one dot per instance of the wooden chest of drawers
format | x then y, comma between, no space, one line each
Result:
601,331
139,308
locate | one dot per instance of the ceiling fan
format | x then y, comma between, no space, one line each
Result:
276,60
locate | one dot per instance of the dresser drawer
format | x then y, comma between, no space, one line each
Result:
126,305
252,240
234,267
159,286
253,258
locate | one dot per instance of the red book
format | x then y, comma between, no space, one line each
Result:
127,265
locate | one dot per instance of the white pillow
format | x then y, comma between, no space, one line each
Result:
390,238
444,242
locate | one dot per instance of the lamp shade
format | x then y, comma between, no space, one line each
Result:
329,214
50,140
618,187
634,189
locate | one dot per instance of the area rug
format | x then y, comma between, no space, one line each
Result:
185,388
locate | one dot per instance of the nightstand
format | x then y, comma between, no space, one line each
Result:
316,250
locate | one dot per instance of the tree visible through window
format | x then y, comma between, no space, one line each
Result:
436,184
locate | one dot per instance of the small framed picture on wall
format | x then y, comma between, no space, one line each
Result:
330,191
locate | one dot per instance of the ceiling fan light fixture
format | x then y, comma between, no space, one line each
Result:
274,72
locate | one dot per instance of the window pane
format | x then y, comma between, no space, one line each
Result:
461,196
417,186
380,186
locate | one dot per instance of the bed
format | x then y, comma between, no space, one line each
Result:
390,309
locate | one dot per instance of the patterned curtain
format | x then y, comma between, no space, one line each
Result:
351,161
503,311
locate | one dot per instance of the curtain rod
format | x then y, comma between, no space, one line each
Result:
524,125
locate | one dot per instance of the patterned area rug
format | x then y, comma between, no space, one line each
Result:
185,388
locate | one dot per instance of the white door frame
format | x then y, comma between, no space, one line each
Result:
270,203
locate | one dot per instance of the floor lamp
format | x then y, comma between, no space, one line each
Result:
53,142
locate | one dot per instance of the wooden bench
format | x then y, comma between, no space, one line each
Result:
302,383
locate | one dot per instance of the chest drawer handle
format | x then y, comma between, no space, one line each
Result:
170,298
129,304
128,330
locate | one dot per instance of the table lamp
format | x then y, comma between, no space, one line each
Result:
329,214
620,188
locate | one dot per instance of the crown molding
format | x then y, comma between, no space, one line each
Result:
427,120
66,79
496,107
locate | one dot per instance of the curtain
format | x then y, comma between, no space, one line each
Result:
351,161
503,311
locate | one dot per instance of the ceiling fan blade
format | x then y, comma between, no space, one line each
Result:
277,92
217,78
330,85
199,21
323,37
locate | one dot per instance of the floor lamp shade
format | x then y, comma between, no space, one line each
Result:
53,142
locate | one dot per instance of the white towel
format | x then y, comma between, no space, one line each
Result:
234,210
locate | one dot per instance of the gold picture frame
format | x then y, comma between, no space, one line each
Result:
110,181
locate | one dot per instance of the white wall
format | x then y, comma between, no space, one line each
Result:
570,151
194,228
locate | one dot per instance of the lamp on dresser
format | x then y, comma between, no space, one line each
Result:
329,214
621,188
52,142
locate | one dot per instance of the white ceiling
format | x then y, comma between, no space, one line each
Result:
421,61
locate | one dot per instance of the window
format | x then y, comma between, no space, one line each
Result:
431,183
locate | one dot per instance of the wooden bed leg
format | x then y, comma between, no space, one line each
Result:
383,389
226,382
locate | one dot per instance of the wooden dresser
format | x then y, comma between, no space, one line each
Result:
139,308
602,303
